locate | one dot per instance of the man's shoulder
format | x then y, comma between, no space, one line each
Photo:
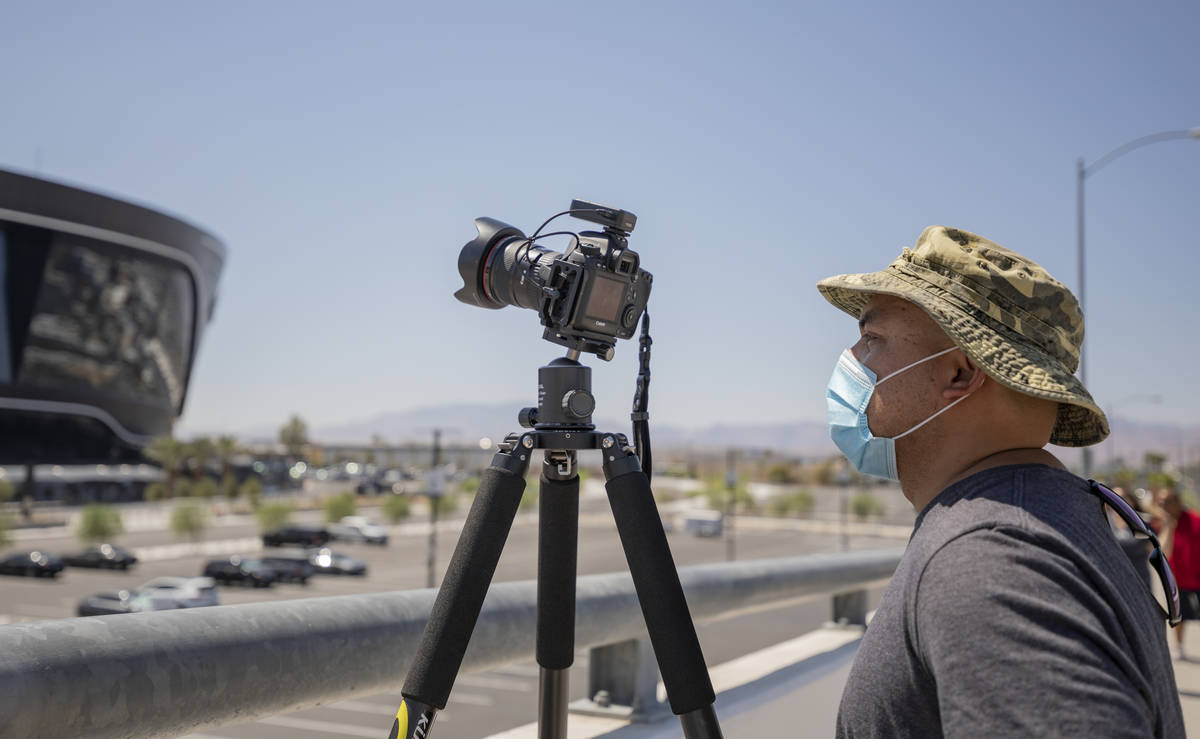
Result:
1032,497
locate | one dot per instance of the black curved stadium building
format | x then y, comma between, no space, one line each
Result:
102,307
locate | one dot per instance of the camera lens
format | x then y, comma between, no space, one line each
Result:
499,267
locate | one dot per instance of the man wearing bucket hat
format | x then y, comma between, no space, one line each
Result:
1013,611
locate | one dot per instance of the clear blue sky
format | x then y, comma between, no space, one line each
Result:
341,151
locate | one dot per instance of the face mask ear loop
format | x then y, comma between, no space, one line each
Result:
935,415
890,375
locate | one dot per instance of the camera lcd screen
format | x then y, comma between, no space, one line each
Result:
605,302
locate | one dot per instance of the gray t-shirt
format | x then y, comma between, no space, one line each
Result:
1013,613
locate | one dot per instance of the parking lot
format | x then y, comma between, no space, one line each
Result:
481,704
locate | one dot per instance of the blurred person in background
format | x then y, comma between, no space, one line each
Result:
1135,547
1180,537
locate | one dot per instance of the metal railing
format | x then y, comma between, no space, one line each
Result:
167,673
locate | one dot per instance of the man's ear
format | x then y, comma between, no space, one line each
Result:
967,377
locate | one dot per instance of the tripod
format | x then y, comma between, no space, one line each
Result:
561,426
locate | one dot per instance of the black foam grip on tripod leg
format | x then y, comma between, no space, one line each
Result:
558,543
460,598
664,607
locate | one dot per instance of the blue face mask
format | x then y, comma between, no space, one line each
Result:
850,390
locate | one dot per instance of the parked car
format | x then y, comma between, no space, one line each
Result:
302,535
290,568
357,528
325,561
249,572
105,556
704,523
31,564
124,601
190,592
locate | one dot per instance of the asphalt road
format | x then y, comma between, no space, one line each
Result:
481,703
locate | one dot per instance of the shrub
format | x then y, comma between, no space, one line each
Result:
206,488
865,504
155,491
251,489
1156,480
447,503
99,522
717,495
272,516
781,474
395,508
338,507
188,519
799,502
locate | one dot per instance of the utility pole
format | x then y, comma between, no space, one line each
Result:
434,483
843,479
731,481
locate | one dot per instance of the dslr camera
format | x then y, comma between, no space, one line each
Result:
587,297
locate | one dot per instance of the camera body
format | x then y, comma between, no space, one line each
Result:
587,297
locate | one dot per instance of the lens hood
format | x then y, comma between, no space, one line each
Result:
472,261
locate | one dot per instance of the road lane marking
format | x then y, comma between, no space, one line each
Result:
495,683
361,707
162,552
30,609
8,618
470,699
518,671
329,727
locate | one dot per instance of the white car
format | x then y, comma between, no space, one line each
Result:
189,592
358,528
703,522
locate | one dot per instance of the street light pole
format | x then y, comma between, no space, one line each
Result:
1082,171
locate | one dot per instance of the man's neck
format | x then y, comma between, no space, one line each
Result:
929,482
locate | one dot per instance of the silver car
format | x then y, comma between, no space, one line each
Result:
189,592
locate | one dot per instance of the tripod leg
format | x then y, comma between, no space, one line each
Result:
656,581
440,653
558,538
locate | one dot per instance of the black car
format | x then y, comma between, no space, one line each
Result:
289,568
325,561
102,556
250,572
31,564
302,535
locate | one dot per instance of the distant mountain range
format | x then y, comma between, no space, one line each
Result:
467,423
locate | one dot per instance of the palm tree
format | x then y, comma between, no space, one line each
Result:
294,436
169,453
201,449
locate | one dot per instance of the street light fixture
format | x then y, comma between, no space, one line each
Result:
1082,172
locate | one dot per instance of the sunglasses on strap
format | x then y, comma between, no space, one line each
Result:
1157,559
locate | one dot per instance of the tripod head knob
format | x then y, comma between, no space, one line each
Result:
527,417
578,403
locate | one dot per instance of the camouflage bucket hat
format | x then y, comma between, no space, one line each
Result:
1015,321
